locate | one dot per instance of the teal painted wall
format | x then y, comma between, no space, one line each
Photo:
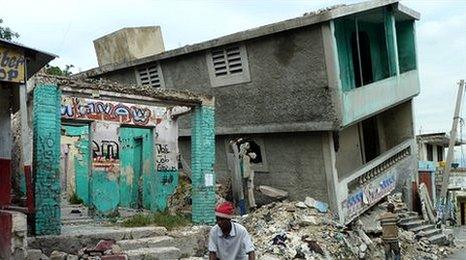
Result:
46,158
202,162
81,162
165,184
104,193
406,45
382,49
135,174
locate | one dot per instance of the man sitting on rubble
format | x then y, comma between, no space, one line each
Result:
229,240
388,221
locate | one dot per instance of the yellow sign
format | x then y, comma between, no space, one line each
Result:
12,63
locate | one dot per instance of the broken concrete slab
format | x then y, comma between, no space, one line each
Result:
131,244
168,253
272,192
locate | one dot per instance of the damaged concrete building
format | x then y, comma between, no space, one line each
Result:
324,99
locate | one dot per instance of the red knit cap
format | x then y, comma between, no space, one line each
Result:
225,210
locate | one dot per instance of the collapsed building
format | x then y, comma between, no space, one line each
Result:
325,100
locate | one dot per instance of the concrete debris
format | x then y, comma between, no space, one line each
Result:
298,229
319,205
272,192
180,201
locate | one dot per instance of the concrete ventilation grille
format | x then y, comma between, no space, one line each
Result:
149,76
227,61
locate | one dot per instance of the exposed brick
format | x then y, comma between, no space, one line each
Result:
202,162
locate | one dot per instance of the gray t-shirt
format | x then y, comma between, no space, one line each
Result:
235,245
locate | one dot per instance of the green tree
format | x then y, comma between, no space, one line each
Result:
57,71
6,33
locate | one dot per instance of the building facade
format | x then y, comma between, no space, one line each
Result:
325,100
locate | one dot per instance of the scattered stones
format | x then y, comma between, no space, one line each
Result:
58,255
300,205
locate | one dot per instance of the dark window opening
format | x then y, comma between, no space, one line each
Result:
253,148
362,61
370,135
439,153
430,152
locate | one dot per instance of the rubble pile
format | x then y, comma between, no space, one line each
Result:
180,200
306,230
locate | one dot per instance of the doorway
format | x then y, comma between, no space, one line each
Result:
75,163
137,167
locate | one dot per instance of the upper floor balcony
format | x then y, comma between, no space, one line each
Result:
377,62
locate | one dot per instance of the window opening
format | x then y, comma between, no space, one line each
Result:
439,153
371,139
362,61
430,152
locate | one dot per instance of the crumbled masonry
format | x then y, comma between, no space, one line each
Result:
289,230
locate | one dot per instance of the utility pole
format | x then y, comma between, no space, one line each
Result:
451,146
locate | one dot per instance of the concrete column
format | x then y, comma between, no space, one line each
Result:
46,159
202,163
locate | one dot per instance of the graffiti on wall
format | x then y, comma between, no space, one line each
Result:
93,109
369,194
167,142
11,65
105,146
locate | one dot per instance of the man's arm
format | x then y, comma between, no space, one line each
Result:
252,255
213,256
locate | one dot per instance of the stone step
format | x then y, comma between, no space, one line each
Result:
78,221
131,244
408,219
162,253
439,239
428,233
75,237
423,228
413,224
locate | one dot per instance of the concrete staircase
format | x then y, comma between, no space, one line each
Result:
157,247
422,229
138,243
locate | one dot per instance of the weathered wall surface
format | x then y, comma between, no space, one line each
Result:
46,161
295,163
398,124
130,160
348,157
288,87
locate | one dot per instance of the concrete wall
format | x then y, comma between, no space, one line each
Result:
129,44
397,124
295,163
136,173
348,157
288,88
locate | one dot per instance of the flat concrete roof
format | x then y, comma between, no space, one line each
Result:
316,17
106,90
440,138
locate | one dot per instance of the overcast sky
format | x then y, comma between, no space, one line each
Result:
67,28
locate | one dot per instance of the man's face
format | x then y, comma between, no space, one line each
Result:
223,223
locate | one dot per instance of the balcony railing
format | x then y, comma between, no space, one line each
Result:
370,183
